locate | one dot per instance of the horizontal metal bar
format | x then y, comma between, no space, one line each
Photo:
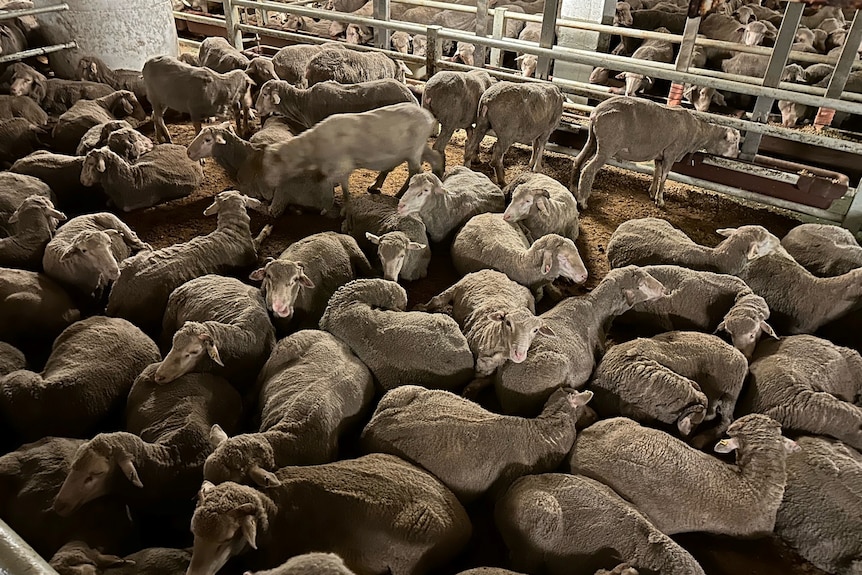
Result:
17,557
9,14
200,19
36,52
330,15
801,88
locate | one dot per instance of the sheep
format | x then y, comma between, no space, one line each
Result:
165,173
429,428
323,28
353,67
55,96
261,70
579,324
633,129
369,316
298,284
22,107
683,378
654,470
653,241
35,221
559,524
11,358
649,19
97,136
217,54
291,61
33,308
76,557
232,339
453,98
487,241
30,477
309,564
197,91
809,385
824,250
303,108
14,189
85,252
723,27
94,69
400,42
128,143
379,139
754,65
702,97
275,129
526,113
18,138
155,465
652,50
92,366
822,13
62,174
541,205
186,58
147,279
85,114
403,520
312,390
818,514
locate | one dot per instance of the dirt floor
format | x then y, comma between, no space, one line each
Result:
618,195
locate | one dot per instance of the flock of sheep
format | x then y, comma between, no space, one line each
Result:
316,425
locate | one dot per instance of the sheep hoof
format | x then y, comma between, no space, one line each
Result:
373,190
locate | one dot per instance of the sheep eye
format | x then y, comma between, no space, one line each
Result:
508,323
83,251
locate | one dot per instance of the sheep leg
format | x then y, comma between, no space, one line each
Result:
588,175
471,148
162,133
497,161
443,140
439,301
198,126
261,237
660,172
589,151
414,166
538,152
436,160
345,193
378,183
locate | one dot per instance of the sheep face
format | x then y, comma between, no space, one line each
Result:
202,146
758,427
623,14
261,70
88,69
524,202
88,479
599,75
702,97
727,146
233,200
464,52
759,241
527,64
25,83
744,15
755,32
294,22
282,280
241,459
418,192
221,529
791,112
128,105
560,257
400,42
191,346
745,332
519,328
94,164
637,286
392,250
635,83
420,45
34,207
268,99
78,558
91,251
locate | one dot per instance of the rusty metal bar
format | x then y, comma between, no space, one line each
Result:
842,70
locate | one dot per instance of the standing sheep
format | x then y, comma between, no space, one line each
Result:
653,241
809,385
680,489
353,67
35,221
824,250
300,282
216,324
399,347
579,324
471,450
312,391
92,366
33,308
403,521
291,61
85,114
564,524
444,206
635,129
146,280
518,113
542,206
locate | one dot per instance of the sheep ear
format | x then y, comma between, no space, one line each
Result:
721,327
258,274
547,331
93,68
57,215
767,329
630,296
220,139
217,435
497,316
212,209
726,232
415,246
689,91
718,98
212,351
14,217
727,445
263,477
128,469
542,204
790,446
206,487
578,399
127,106
100,166
249,530
305,281
372,238
620,76
547,262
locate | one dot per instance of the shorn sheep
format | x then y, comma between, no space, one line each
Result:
35,221
541,205
822,249
34,308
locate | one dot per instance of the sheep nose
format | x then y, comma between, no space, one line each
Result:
518,356
506,217
281,310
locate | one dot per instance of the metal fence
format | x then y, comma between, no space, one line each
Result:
15,56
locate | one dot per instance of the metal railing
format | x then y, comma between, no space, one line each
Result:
15,56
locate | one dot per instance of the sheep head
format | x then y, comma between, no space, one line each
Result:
191,345
127,104
753,431
623,15
420,45
422,186
727,145
261,70
268,99
702,97
635,285
526,201
754,33
233,200
746,321
78,558
560,257
527,64
95,163
282,280
204,143
28,82
757,241
400,41
241,459
34,208
91,250
392,250
518,328
129,143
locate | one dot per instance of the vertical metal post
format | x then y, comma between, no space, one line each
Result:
381,35
231,19
853,218
434,50
481,31
842,70
546,40
497,34
780,52
683,59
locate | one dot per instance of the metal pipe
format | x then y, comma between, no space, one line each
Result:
9,14
329,15
546,36
481,30
801,88
497,32
198,18
17,557
36,52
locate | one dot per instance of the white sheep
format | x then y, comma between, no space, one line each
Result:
85,114
368,315
655,472
541,205
35,222
309,564
444,206
822,249
488,241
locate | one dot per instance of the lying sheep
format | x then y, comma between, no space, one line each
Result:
353,67
217,54
155,465
14,189
453,98
312,390
634,129
11,358
541,205
274,130
199,92
525,113
444,206
380,140
298,284
653,241
487,241
86,251
18,138
84,114
87,378
291,61
818,515
651,469
77,557
808,385
165,173
579,324
403,520
368,315
63,175
35,221
304,108
128,143
652,50
96,137
428,427
146,280
553,521
22,107
824,250
94,69
53,95
310,564
33,308
683,378
245,162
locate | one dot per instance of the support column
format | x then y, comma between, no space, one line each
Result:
842,71
381,35
231,19
599,11
497,33
481,31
